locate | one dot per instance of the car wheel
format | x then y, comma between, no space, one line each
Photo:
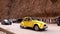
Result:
23,27
36,28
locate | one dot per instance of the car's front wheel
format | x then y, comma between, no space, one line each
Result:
36,28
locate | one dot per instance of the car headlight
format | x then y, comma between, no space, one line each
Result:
44,24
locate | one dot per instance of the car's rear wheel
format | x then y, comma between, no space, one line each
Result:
36,28
23,27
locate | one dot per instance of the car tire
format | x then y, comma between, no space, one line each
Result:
36,28
23,27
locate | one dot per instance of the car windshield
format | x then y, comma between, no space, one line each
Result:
6,20
36,19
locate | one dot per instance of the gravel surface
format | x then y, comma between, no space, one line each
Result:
15,28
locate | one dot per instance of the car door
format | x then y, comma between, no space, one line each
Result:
25,21
30,22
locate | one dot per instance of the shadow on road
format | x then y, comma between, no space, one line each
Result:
33,29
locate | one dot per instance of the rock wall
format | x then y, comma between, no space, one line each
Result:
34,8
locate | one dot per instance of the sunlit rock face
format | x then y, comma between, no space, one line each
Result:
34,8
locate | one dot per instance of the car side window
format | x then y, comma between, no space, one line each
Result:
27,19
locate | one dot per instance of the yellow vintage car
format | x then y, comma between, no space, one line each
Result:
33,23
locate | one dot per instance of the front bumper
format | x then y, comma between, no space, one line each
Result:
45,27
